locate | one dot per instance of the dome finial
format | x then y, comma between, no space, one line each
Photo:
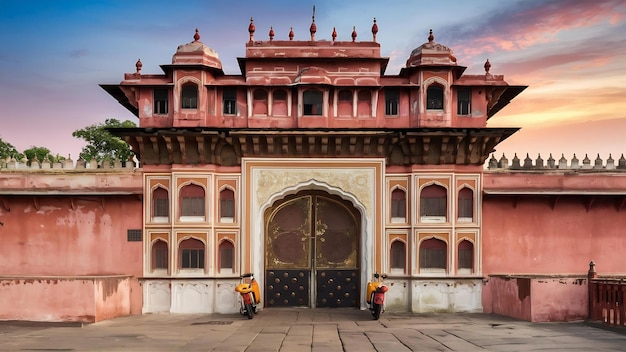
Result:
431,37
196,36
251,29
353,33
271,33
313,27
374,29
291,34
334,35
138,65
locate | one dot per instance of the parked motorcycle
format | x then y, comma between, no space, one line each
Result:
250,295
376,290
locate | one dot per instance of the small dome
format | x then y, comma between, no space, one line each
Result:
196,53
431,53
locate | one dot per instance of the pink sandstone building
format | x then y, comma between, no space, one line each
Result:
314,168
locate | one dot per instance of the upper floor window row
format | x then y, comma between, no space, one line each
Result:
192,203
313,100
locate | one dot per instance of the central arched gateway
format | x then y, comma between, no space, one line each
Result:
312,252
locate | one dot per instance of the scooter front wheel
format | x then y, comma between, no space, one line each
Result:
377,310
249,311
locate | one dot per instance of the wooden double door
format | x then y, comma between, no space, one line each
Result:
312,252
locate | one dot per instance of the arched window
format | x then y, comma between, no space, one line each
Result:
434,97
259,103
279,101
160,205
433,256
227,205
364,104
192,202
398,205
466,205
159,255
466,257
344,103
189,96
191,254
433,204
398,257
227,256
312,102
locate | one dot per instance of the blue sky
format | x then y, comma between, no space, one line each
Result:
571,53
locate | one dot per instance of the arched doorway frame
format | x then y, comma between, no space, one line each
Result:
366,260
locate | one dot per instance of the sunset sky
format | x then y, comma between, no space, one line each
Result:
571,54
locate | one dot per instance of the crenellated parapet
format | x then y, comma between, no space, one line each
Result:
598,164
11,164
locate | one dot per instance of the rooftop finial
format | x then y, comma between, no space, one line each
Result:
353,33
138,65
251,29
291,34
374,29
334,35
196,36
431,37
313,27
487,66
271,33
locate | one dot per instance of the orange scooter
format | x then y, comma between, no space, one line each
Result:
250,295
376,295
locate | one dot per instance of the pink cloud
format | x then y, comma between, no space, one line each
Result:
522,27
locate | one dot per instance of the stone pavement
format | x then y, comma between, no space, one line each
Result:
289,329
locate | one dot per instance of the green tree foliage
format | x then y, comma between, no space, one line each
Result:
40,152
7,150
101,144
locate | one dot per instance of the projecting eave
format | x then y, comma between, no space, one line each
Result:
457,69
509,93
227,146
195,67
116,92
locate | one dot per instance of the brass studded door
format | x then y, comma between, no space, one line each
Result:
311,252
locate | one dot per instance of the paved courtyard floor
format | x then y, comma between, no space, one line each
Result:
311,330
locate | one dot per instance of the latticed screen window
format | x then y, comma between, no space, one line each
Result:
433,254
466,255
227,204
392,98
159,255
161,204
398,255
230,101
434,98
192,201
312,104
227,254
464,100
189,96
433,201
191,254
160,98
466,203
398,203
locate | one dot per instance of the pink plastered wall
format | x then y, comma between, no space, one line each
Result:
543,235
58,236
537,299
